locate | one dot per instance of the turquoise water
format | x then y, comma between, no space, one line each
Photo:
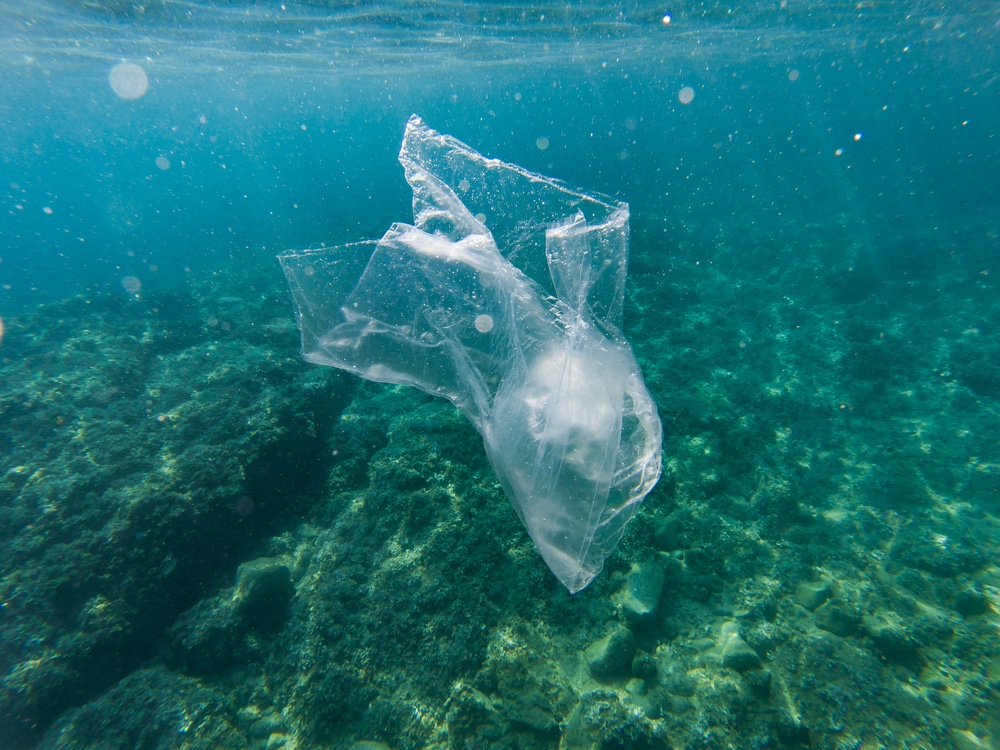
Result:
207,542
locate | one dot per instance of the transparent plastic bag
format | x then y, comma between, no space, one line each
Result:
518,324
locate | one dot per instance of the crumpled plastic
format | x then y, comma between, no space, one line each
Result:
504,296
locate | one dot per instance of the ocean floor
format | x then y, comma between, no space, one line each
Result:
208,543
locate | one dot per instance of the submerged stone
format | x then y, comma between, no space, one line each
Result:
641,595
891,638
971,602
837,618
733,652
812,594
612,655
264,591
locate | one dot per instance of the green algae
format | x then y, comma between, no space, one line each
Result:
826,533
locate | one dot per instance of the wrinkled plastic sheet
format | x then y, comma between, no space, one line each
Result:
504,296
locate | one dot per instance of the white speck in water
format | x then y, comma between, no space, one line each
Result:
128,81
484,323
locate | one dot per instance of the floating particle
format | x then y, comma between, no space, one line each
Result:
131,284
685,95
542,142
162,162
128,80
484,323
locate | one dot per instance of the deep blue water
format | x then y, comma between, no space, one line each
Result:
281,125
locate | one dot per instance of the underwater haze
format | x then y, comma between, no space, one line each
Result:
208,542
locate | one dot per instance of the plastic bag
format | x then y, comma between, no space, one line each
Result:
505,296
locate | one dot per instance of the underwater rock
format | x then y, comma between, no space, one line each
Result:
971,602
206,637
211,635
733,652
635,686
138,711
759,681
264,592
891,637
812,594
857,694
472,719
763,636
946,551
612,655
523,670
737,655
679,683
641,595
602,720
838,618
667,534
263,726
792,730
167,455
644,666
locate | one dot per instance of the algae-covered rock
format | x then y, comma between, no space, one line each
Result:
611,656
759,681
263,592
472,718
148,455
732,652
943,549
679,683
972,601
214,633
151,708
811,594
838,618
857,694
891,637
641,596
207,637
736,654
523,674
669,534
602,720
